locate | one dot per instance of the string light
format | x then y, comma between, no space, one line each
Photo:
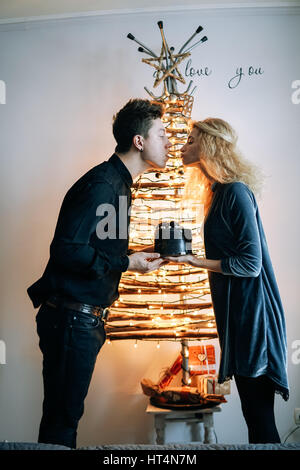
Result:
156,197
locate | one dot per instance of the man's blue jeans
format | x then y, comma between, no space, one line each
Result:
70,342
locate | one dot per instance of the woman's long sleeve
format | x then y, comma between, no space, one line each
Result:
246,260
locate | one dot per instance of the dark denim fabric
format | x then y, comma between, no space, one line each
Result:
70,342
247,305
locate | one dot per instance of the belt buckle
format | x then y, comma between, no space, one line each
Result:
97,311
105,313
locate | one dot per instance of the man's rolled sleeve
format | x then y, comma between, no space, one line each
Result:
120,263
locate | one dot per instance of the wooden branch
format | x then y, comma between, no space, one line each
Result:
141,328
155,197
171,290
175,306
170,70
155,185
160,284
114,317
161,335
173,130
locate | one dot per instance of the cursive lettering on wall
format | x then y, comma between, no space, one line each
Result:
250,71
191,71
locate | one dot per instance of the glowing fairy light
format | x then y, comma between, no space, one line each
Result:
157,196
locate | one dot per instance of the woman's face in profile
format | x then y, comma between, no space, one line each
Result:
190,152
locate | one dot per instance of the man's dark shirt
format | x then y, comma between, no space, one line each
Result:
82,267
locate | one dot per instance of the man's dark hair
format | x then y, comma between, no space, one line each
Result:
135,118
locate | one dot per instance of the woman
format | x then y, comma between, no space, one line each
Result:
247,305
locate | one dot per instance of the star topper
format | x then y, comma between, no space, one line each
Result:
166,64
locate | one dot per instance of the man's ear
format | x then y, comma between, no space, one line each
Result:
138,142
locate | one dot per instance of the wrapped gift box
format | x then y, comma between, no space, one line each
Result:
202,360
170,372
184,395
208,385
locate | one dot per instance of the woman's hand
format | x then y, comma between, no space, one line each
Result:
204,263
184,259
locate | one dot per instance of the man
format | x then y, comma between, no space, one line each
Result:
86,262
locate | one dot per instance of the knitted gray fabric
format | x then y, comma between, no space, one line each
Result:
156,447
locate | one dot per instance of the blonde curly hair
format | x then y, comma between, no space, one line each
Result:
219,160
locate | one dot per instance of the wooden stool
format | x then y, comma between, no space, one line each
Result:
204,417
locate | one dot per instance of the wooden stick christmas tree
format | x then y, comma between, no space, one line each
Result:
174,302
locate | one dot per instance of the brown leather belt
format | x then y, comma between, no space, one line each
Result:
79,307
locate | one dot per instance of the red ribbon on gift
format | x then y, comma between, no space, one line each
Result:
202,359
169,373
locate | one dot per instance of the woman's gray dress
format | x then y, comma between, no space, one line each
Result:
246,300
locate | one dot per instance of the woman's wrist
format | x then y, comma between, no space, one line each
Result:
196,261
204,263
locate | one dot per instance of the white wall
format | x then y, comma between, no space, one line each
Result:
32,8
64,81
